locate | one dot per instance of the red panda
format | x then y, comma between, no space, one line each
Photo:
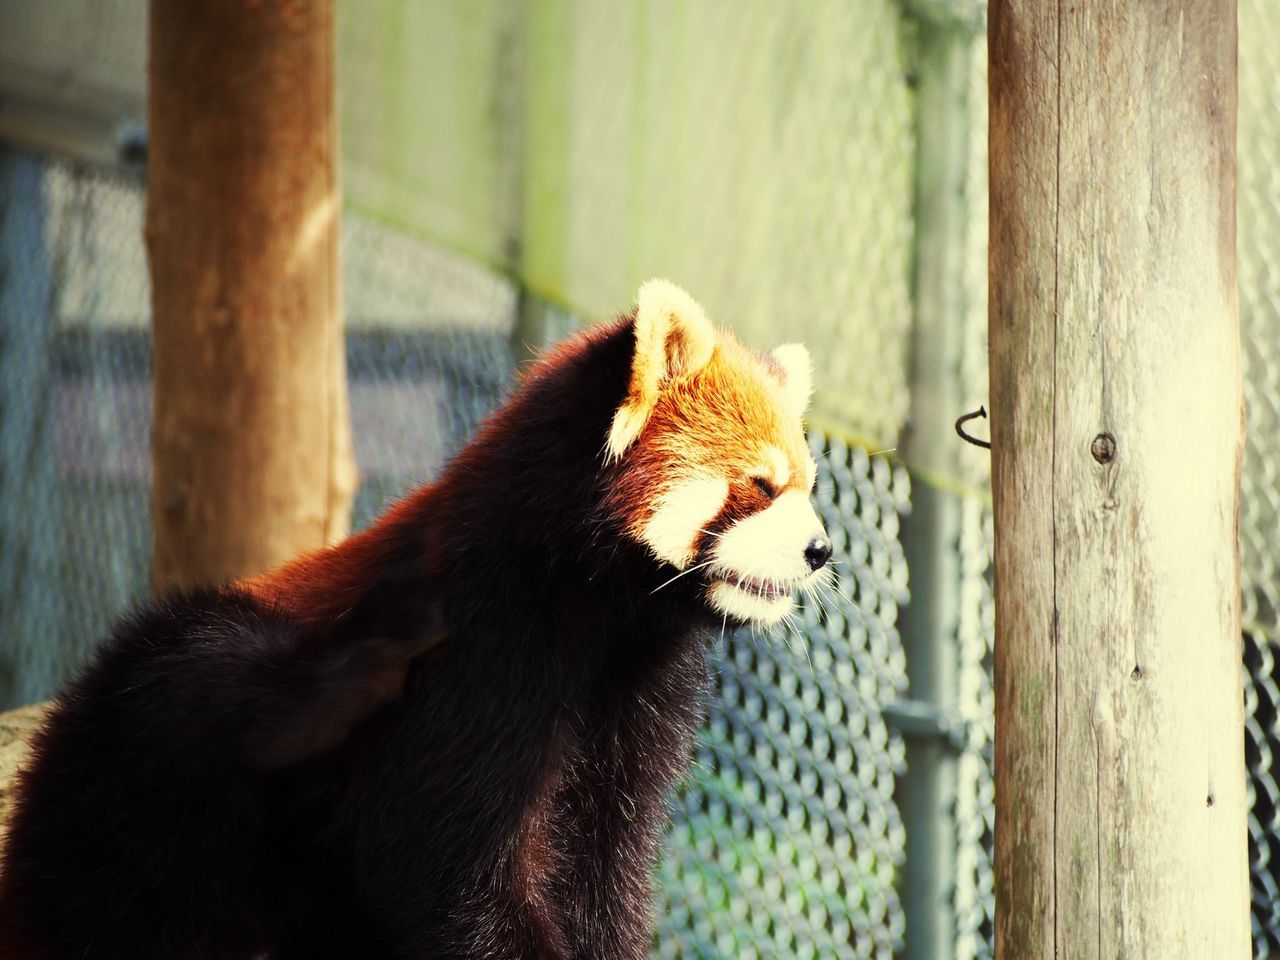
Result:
451,735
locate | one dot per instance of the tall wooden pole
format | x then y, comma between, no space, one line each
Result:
251,443
1116,441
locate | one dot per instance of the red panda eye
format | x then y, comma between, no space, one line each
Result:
765,487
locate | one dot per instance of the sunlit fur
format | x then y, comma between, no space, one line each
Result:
735,418
452,735
673,342
797,375
680,514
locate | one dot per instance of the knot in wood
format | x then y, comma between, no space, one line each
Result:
1103,448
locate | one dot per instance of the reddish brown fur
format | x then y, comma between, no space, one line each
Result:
718,421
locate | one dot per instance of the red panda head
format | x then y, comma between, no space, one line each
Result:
714,473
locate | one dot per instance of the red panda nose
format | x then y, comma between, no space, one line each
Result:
818,552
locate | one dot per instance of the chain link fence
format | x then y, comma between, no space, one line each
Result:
74,416
758,153
1259,210
787,840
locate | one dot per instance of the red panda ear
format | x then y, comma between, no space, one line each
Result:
674,340
797,376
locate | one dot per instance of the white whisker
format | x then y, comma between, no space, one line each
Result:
792,630
848,599
682,573
814,591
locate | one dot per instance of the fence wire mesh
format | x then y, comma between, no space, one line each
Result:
786,841
1259,211
73,415
757,152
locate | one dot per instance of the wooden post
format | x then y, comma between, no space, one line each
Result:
251,442
1116,441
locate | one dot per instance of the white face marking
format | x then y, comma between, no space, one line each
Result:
776,468
681,514
810,473
797,368
745,604
759,561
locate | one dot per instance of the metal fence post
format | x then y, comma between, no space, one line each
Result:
930,722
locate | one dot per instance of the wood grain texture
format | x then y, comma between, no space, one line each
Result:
1023,79
1120,822
251,441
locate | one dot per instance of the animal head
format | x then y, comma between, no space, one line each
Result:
714,473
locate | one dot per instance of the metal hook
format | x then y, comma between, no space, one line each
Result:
980,412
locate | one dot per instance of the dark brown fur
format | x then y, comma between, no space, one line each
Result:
449,737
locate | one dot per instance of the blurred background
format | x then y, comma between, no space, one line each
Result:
512,169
